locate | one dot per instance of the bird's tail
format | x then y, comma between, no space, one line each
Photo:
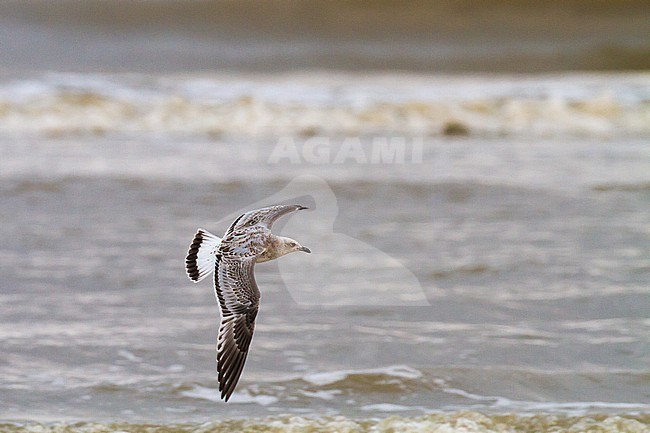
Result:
202,255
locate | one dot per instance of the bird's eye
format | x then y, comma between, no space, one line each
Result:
292,244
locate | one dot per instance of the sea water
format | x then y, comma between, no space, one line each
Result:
481,253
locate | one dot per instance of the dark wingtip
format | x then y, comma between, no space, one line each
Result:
225,395
300,207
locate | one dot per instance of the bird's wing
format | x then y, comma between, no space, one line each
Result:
264,217
272,213
238,297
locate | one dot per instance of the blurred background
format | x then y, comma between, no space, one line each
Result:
495,258
282,35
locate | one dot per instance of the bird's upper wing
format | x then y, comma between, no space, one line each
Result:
272,213
238,297
264,217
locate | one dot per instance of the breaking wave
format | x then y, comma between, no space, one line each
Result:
464,422
345,104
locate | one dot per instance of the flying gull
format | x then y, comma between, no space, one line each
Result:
232,258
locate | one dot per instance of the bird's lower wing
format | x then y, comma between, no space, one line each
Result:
238,297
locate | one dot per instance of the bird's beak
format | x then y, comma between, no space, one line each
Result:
305,250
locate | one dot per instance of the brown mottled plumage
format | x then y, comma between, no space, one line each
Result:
248,241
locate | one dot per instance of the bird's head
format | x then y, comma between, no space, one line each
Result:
290,245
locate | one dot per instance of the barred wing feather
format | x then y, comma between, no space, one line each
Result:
238,297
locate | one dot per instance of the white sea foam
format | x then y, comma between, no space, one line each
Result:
329,104
459,422
328,378
243,397
321,394
386,407
575,408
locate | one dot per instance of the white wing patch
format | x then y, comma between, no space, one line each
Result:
202,255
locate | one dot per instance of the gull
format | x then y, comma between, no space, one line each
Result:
232,259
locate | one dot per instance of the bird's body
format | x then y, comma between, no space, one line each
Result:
232,259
